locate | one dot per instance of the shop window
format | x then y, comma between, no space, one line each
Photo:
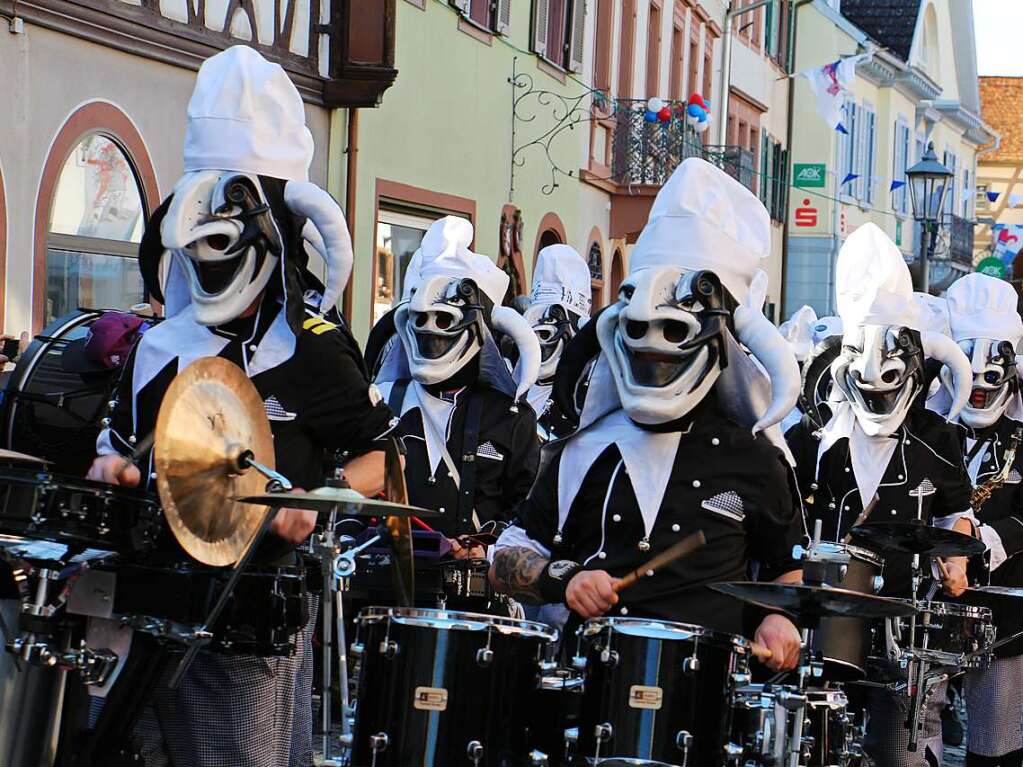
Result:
96,222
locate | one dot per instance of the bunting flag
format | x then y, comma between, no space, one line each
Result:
896,185
1014,200
830,83
849,177
992,196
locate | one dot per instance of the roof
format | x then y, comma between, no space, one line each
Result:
1001,107
891,23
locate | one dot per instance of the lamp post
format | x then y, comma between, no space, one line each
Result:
928,185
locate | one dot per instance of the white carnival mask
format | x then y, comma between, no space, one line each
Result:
220,231
880,372
993,364
441,327
554,327
663,341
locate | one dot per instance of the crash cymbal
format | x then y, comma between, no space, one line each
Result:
1001,591
352,503
809,602
210,416
403,572
12,456
916,538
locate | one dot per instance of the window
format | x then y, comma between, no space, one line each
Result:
491,15
96,222
558,32
653,50
675,72
694,67
868,155
983,203
774,179
625,45
847,153
399,233
602,54
595,260
900,161
951,161
967,195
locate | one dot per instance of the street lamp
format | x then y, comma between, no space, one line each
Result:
928,185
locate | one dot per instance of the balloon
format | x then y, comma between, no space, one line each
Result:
664,114
650,117
693,110
655,104
692,121
702,126
697,99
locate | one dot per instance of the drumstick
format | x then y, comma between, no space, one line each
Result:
760,652
686,546
941,568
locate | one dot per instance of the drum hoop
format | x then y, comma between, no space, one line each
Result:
684,630
956,609
68,482
456,620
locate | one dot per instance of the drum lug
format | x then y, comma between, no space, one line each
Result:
389,648
538,759
877,583
690,665
609,657
579,662
484,657
379,742
603,732
474,751
741,679
684,741
357,649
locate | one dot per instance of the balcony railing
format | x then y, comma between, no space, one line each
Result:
960,247
648,152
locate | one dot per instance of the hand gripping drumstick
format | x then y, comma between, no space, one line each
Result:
686,546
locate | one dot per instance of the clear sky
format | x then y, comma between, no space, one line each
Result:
997,24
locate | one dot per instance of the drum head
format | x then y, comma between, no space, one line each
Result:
51,411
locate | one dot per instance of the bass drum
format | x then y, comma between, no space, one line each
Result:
50,411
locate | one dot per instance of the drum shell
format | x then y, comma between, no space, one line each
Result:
955,631
265,609
759,726
652,681
555,709
845,643
830,728
433,698
71,510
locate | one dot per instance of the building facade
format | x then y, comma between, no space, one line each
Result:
919,87
1000,177
93,122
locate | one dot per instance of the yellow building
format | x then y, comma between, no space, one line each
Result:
919,87
1000,166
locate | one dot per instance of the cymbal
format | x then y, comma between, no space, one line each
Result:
403,572
211,415
814,601
12,456
1001,591
322,499
915,538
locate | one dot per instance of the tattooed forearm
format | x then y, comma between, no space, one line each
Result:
515,572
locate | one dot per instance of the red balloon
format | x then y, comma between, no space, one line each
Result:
664,114
696,98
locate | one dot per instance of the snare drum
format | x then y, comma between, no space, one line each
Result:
441,688
657,691
266,608
829,733
65,509
844,643
957,635
759,726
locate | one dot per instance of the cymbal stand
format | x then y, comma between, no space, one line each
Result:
202,635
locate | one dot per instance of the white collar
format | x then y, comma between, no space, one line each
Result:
435,414
539,398
869,456
649,459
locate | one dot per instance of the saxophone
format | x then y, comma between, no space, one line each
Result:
983,492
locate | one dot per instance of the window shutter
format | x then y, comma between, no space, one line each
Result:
541,17
576,35
502,16
464,6
868,176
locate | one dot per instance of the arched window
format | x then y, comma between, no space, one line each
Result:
548,237
617,274
595,260
95,225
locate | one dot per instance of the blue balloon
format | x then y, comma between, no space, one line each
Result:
650,117
693,110
703,116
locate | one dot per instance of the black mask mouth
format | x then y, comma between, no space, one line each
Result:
548,349
215,276
655,369
878,402
433,346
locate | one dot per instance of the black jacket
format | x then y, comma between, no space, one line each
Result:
928,450
735,487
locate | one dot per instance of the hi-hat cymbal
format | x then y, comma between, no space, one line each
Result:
815,601
351,503
210,416
1000,591
12,456
916,538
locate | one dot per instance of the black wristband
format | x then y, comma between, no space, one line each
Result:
553,581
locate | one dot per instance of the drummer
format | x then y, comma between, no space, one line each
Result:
882,457
559,305
670,440
470,438
984,322
234,287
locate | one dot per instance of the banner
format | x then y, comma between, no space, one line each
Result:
830,83
1007,242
